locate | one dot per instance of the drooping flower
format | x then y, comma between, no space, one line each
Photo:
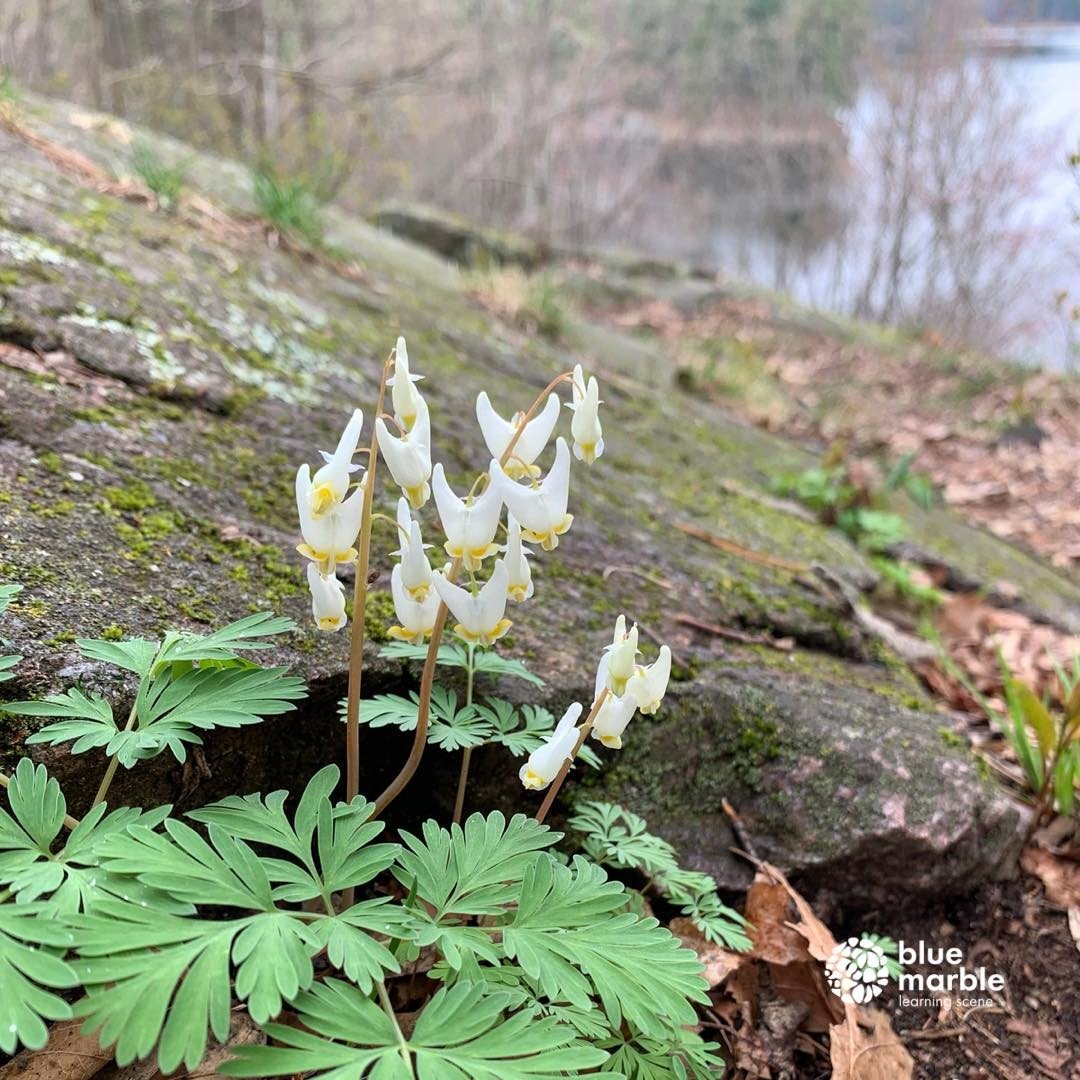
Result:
327,599
415,568
416,617
520,585
469,524
612,719
328,537
648,685
545,761
409,456
405,397
542,509
330,483
585,426
481,617
619,661
530,445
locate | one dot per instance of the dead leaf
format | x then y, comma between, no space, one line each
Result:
767,905
1074,925
69,1056
865,1047
1042,1045
1060,878
719,962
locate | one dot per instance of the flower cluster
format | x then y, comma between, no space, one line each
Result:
491,555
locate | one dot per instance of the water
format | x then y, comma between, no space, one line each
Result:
1012,244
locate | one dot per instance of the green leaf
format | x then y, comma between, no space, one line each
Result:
1036,714
450,727
620,838
134,654
72,878
462,1034
456,656
227,643
678,1056
6,664
465,870
7,594
26,970
562,938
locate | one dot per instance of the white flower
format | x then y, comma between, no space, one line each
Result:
585,426
330,483
481,617
498,432
329,537
545,761
542,509
417,617
648,685
403,394
612,719
327,599
415,569
469,526
409,457
520,586
619,661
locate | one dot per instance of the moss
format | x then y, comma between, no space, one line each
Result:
51,462
379,616
65,637
57,508
113,632
134,497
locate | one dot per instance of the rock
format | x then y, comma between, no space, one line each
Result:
184,370
456,238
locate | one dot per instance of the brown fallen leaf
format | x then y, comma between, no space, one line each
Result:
69,1056
865,1047
719,962
1042,1045
767,906
1060,877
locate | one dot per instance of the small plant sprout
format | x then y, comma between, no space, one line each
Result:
585,427
531,442
291,907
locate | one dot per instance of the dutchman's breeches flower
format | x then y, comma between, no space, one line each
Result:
328,537
619,661
542,509
545,761
416,617
530,445
330,484
612,719
520,585
481,617
585,426
409,457
470,524
327,599
415,568
403,394
648,685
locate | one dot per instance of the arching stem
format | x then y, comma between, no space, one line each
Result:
557,783
466,753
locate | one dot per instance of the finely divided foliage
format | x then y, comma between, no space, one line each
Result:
469,952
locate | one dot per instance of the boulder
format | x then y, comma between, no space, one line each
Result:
161,378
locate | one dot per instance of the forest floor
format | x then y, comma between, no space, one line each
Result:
1001,445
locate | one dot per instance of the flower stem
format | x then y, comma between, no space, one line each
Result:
360,592
114,761
427,678
557,783
466,753
403,1046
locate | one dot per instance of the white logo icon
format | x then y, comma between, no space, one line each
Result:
857,970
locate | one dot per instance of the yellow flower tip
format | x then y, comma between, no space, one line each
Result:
322,498
500,628
348,556
614,742
308,552
648,710
533,781
587,452
330,623
418,495
420,593
517,593
618,686
399,633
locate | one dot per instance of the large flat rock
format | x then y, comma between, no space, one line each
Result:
160,380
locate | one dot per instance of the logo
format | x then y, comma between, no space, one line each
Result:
857,970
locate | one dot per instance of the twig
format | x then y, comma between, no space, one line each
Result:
739,829
729,546
785,644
